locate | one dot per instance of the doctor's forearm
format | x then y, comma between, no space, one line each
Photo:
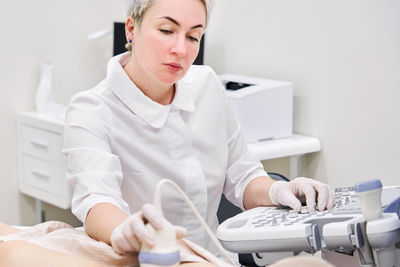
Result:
102,220
257,193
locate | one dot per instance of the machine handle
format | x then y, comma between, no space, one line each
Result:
40,143
41,174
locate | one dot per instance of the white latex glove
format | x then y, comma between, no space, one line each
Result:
293,193
128,236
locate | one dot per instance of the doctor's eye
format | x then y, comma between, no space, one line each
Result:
165,31
193,39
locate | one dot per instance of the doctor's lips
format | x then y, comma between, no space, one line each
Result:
174,66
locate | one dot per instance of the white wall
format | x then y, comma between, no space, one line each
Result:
32,33
343,57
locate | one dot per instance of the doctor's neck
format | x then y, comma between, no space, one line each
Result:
162,93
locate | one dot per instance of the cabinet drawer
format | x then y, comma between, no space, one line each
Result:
42,144
43,175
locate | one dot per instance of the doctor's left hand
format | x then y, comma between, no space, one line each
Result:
293,193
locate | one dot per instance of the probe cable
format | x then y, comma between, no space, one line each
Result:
157,204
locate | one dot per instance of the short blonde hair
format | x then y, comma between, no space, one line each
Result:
137,8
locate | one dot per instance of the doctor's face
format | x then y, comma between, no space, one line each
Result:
168,39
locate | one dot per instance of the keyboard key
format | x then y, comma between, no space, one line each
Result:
304,209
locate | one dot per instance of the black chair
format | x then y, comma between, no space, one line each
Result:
226,210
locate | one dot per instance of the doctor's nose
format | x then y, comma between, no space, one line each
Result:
179,47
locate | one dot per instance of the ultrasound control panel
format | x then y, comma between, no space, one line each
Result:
279,229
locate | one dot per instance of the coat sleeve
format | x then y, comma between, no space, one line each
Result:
93,171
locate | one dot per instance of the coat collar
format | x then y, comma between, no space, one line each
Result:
150,111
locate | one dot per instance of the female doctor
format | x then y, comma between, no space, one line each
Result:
156,116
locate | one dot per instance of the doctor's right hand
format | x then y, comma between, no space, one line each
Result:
128,236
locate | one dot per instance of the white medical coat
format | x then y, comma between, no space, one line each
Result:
119,144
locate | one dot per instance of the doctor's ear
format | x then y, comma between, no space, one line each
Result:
129,32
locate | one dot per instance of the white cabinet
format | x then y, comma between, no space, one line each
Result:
42,173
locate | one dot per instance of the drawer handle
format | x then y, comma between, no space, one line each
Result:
40,143
41,174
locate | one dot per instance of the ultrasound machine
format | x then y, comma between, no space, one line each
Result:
359,223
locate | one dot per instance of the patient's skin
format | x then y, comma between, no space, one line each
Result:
6,229
35,256
301,261
197,264
21,253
